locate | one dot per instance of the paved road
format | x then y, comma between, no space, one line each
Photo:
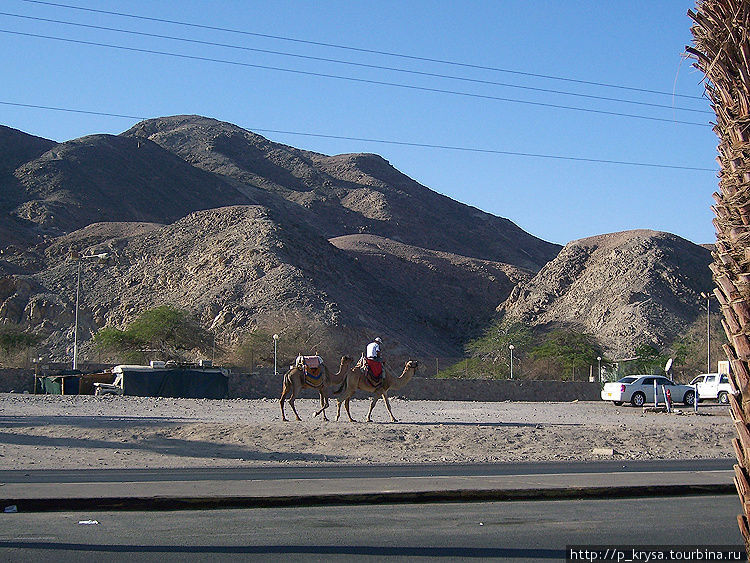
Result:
512,531
38,491
360,471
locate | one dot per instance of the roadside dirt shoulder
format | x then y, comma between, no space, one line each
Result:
60,432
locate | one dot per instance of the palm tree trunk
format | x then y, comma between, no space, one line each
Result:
722,53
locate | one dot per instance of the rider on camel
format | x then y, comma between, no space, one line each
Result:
374,361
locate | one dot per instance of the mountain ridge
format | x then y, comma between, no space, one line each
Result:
247,233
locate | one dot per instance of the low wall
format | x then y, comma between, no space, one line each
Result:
268,385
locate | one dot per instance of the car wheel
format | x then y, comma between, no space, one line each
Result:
617,403
689,398
723,398
638,399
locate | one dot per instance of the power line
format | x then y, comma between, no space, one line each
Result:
352,79
363,50
489,151
392,142
356,64
71,110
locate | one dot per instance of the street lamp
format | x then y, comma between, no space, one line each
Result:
80,258
37,361
599,359
708,329
275,340
511,348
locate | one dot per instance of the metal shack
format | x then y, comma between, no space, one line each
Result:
190,381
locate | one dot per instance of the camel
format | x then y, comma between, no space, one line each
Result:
357,379
295,381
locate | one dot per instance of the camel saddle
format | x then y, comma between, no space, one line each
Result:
312,367
374,374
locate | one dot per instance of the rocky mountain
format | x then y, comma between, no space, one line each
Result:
625,288
347,194
245,232
114,178
209,217
16,148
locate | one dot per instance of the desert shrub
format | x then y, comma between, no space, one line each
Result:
165,331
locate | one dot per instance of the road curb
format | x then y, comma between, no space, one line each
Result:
157,503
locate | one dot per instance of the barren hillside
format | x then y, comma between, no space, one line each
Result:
233,227
625,288
347,194
238,229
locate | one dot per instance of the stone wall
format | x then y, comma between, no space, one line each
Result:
268,385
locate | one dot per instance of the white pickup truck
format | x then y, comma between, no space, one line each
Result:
713,386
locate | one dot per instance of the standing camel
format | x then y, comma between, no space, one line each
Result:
295,381
357,379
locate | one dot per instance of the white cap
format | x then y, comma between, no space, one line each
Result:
377,339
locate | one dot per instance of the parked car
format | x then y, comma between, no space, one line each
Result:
713,386
639,389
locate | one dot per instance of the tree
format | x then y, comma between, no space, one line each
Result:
648,359
254,346
722,41
13,339
570,350
490,353
15,344
165,330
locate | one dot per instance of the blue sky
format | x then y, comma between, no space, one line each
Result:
637,44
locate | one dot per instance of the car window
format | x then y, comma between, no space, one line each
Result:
648,381
711,379
629,379
724,379
664,381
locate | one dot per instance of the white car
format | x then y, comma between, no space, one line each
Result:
713,386
639,389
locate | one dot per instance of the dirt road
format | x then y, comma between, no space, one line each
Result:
62,432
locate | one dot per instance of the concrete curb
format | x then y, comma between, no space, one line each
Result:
157,503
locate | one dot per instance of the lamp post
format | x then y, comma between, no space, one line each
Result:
275,340
708,330
80,258
37,361
599,359
511,348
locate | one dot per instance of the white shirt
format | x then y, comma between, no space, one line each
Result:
373,350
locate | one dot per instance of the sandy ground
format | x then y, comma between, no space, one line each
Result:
68,432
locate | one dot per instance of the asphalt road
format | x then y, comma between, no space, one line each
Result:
511,531
363,471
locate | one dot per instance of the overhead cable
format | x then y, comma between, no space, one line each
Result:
363,50
356,64
353,79
390,142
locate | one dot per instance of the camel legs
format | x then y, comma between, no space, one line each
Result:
374,400
345,401
323,403
285,390
352,384
291,404
290,389
388,406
